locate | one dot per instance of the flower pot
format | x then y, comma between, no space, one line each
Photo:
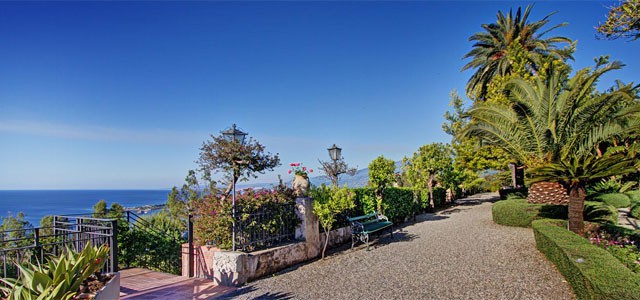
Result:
300,186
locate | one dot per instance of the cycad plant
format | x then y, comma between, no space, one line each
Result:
557,126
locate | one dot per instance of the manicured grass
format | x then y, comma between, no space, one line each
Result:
592,272
616,200
519,213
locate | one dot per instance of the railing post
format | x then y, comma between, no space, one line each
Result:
114,245
190,237
36,242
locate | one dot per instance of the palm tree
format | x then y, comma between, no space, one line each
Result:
490,53
557,125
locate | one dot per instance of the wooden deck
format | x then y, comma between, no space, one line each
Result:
142,284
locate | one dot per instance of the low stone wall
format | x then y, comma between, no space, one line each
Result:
202,261
236,268
337,237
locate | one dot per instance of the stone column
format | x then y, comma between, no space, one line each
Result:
309,229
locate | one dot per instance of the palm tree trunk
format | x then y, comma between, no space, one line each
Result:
576,207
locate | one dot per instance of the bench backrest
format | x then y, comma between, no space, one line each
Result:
366,219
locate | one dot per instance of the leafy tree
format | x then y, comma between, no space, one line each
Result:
428,162
622,21
490,53
381,175
180,201
100,209
557,125
333,169
15,226
328,203
243,161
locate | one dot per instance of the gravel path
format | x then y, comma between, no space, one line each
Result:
458,253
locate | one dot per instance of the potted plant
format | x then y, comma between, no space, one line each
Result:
301,179
65,277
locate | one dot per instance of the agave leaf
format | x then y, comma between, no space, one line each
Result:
40,282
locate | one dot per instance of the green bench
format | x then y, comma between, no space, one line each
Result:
362,226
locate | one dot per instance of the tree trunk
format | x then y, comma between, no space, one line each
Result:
432,203
227,192
326,242
576,208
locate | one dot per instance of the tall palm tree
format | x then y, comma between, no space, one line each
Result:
490,53
556,125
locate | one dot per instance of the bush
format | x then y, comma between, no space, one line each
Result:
520,213
515,212
397,203
635,211
439,196
600,212
616,200
634,196
592,272
507,191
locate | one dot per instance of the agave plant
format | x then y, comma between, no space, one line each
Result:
59,278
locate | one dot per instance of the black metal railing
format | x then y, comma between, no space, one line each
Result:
266,226
37,243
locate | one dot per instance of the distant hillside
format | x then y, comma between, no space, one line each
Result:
360,179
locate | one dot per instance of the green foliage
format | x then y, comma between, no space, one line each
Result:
622,21
517,212
213,216
155,243
227,157
634,196
492,53
439,196
328,203
100,209
59,278
14,225
616,200
381,176
592,272
429,162
398,203
635,211
180,201
608,186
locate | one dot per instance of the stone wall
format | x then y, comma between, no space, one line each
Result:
337,237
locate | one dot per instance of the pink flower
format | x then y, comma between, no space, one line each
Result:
304,168
289,171
310,170
292,164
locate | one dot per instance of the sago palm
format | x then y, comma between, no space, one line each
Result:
555,126
490,52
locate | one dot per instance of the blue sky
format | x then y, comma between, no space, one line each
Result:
122,95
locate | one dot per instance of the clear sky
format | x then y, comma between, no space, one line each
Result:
122,95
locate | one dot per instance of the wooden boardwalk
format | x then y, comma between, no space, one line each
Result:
143,284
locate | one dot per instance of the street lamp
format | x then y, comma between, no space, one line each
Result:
234,135
334,153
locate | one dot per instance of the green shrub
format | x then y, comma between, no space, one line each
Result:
634,196
592,272
397,203
515,212
614,199
600,212
439,196
509,191
635,211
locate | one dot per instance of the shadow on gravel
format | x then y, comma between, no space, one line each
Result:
249,289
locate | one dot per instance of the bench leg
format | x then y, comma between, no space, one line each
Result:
353,240
366,237
391,231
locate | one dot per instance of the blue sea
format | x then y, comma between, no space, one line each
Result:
39,203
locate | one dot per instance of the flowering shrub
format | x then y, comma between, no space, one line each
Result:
213,221
297,169
622,247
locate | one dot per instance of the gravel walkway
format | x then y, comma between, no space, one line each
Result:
458,253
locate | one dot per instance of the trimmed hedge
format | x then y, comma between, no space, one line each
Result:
635,211
592,272
616,200
520,213
634,196
398,202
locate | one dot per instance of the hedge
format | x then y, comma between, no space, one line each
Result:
520,213
635,211
398,202
617,200
592,272
634,196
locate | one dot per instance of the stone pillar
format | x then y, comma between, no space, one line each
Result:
309,229
230,268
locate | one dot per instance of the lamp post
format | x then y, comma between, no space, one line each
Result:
234,135
335,153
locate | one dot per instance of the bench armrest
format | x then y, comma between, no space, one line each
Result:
382,217
356,227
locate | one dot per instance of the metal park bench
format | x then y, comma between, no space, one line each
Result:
362,226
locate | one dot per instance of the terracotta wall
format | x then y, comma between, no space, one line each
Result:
203,261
